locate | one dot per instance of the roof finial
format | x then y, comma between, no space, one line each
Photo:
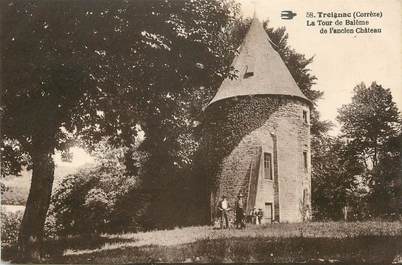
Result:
254,2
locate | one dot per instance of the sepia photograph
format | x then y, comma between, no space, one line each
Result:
201,131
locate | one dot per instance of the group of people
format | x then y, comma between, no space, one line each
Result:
255,216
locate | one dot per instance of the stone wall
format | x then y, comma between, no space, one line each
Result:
292,134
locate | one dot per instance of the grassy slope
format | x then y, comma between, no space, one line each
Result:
361,249
348,242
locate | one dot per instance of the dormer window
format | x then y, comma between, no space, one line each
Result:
249,72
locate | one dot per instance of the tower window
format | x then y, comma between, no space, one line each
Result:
305,161
305,116
267,166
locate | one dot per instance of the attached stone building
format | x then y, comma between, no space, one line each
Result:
265,135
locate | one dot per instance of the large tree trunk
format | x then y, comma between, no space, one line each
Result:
32,227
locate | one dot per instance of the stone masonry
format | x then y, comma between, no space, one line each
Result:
293,180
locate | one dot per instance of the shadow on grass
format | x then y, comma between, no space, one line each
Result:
54,248
378,249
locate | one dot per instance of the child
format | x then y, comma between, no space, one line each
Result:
260,214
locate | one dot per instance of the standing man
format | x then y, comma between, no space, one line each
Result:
223,208
240,212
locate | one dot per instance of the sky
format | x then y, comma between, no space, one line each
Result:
341,61
80,158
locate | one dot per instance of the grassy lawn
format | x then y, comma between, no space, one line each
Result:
332,241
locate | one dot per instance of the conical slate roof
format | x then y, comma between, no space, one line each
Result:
261,70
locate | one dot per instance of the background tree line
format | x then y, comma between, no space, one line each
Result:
99,73
361,168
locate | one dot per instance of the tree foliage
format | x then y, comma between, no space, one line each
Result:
90,69
171,126
370,121
90,201
334,173
360,169
371,124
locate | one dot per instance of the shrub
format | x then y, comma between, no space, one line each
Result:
10,224
91,201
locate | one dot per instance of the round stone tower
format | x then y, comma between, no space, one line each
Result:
257,136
